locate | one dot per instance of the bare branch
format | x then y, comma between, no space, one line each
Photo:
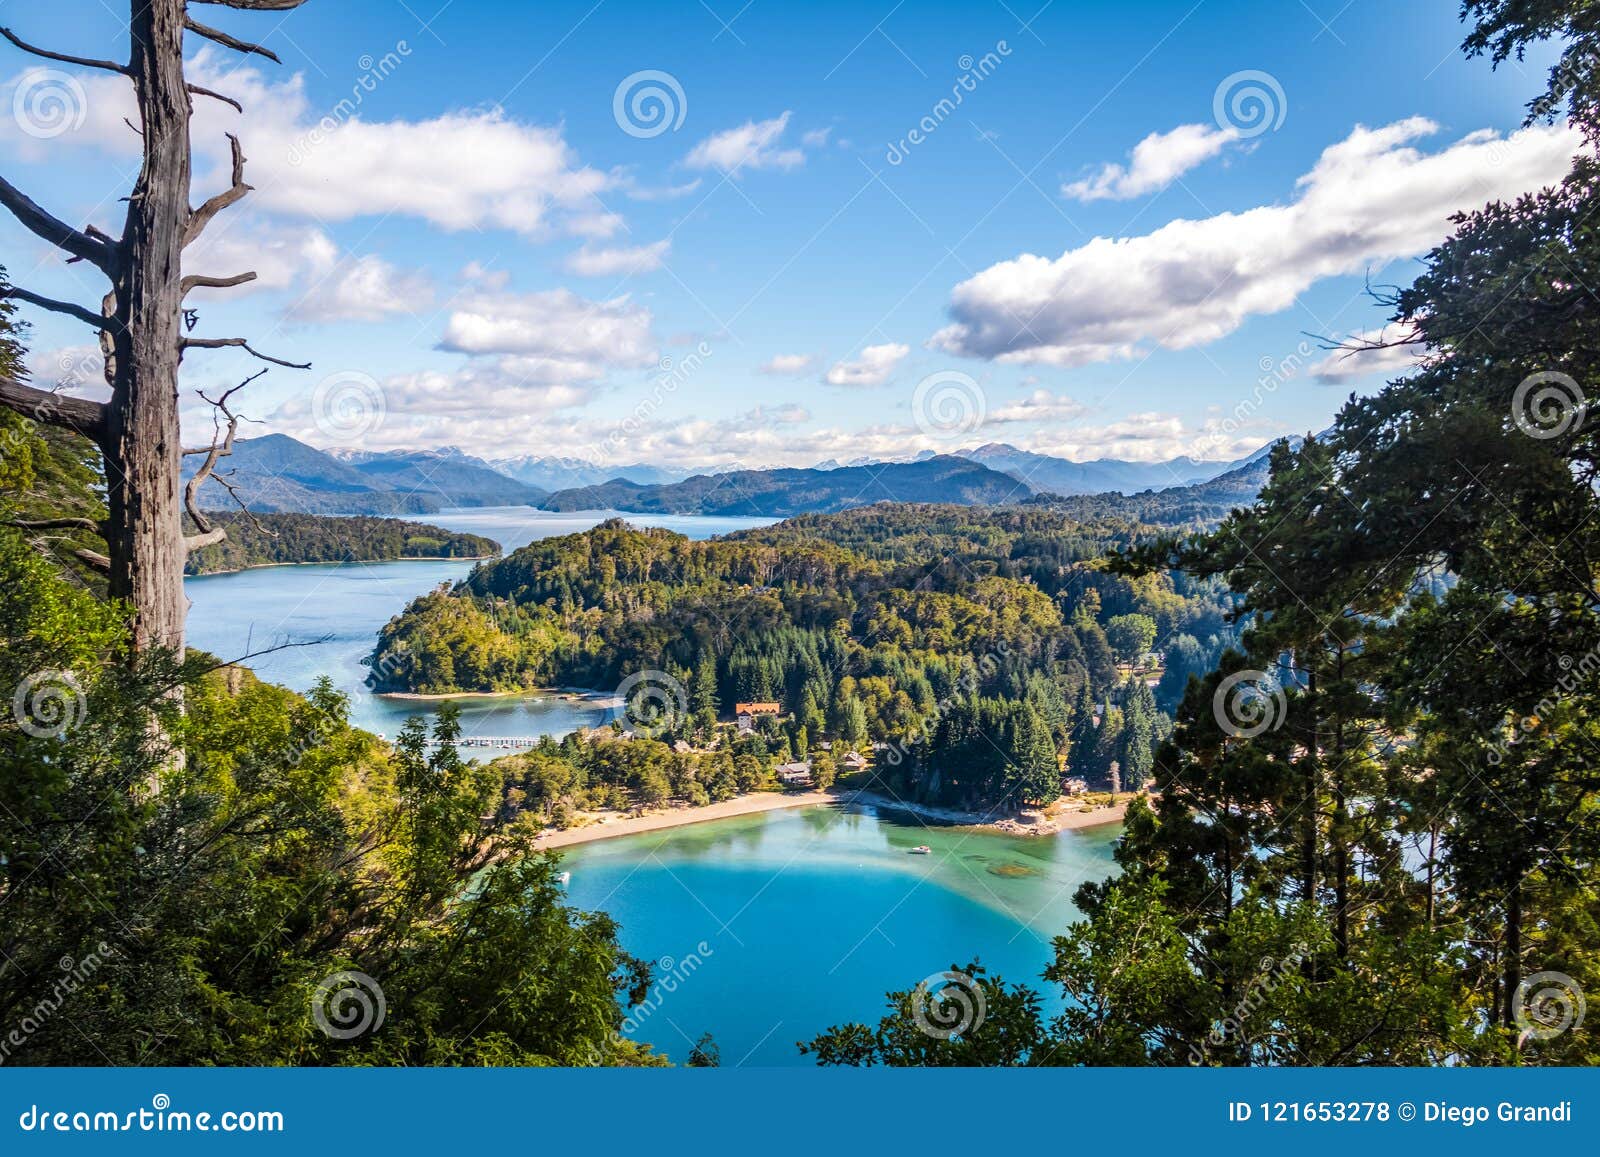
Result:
201,217
82,245
50,303
92,558
214,343
59,524
228,41
256,5
199,90
221,447
199,281
84,61
80,414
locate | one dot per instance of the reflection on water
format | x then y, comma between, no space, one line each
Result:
812,915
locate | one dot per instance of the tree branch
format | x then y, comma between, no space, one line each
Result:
82,313
201,217
233,42
80,244
59,524
84,61
256,5
214,343
198,90
201,282
80,414
92,558
220,448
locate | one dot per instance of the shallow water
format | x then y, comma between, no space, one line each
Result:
773,927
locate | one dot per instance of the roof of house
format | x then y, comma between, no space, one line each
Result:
757,708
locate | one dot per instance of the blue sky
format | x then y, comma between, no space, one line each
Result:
478,251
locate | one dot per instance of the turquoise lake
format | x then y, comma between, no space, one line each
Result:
776,926
806,917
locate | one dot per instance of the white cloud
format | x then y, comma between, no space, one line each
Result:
568,336
872,368
1155,163
331,285
460,170
786,365
753,145
1150,437
1039,406
1368,352
613,262
664,192
1368,200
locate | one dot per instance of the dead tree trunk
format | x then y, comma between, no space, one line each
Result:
140,322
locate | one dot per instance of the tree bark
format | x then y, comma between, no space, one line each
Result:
143,455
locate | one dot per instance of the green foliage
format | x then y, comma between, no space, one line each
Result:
206,862
265,539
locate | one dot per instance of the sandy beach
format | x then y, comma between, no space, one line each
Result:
745,805
612,825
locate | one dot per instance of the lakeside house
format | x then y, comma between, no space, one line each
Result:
794,774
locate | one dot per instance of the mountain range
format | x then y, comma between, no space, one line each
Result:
787,492
277,473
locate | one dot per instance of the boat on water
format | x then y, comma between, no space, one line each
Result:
921,850
565,877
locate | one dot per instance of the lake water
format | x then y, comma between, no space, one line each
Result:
771,927
774,927
324,620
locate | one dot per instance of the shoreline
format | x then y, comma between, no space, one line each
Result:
345,562
745,805
758,802
580,693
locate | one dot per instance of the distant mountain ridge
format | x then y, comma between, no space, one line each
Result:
787,492
279,474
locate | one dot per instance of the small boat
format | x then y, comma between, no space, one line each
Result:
921,850
565,878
